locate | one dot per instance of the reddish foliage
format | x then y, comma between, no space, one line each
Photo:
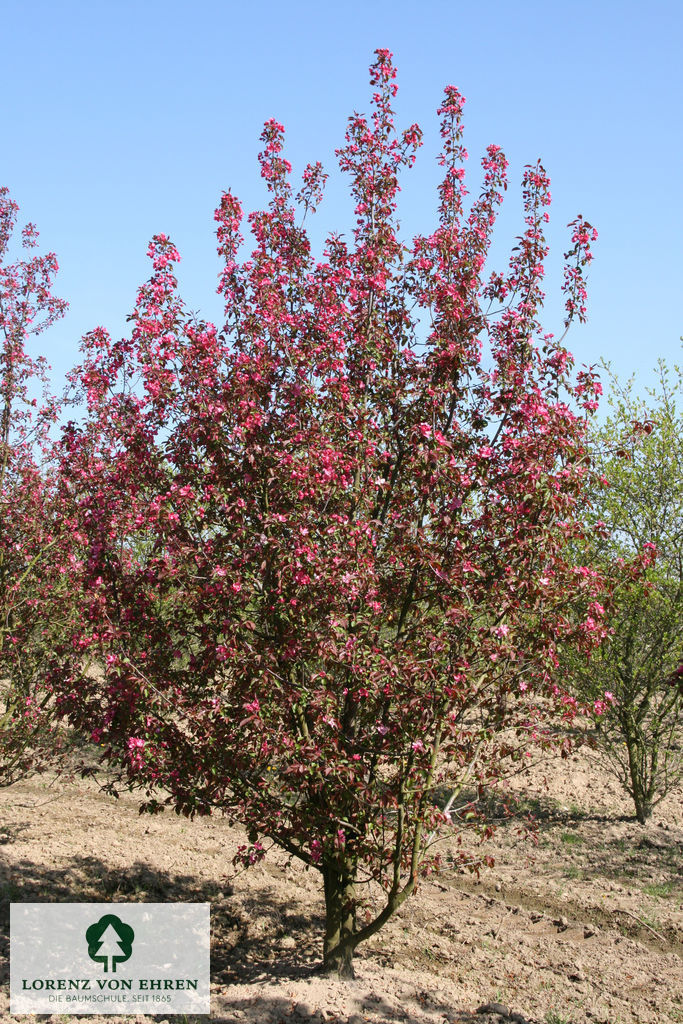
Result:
326,546
29,536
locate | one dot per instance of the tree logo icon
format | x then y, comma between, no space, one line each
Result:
110,941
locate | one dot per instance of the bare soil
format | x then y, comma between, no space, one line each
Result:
585,925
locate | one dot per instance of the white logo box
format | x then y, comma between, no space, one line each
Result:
124,958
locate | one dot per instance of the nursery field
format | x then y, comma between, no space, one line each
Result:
585,925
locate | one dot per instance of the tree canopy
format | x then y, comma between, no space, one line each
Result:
638,453
322,558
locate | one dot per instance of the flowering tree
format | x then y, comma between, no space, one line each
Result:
324,570
30,597
639,453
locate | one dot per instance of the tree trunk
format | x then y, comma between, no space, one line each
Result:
642,797
643,810
340,918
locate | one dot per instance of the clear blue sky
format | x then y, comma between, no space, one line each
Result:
122,119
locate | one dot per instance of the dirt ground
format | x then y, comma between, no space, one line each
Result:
584,926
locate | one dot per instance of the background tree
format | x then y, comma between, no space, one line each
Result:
32,596
639,454
325,573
